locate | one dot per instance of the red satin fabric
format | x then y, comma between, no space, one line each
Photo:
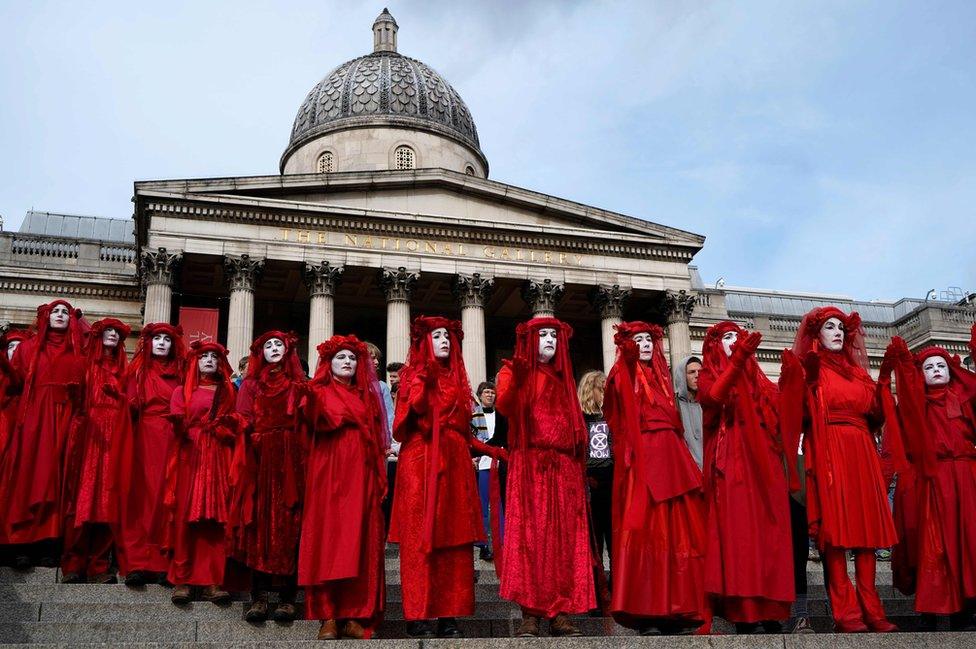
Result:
196,495
437,572
272,484
749,561
140,464
547,567
32,465
658,510
341,553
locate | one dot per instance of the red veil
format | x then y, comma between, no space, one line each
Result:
94,354
224,397
257,366
808,336
173,364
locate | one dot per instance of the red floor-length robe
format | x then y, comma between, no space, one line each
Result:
196,494
50,367
340,561
749,557
90,507
436,510
942,421
139,458
272,486
547,559
10,386
658,509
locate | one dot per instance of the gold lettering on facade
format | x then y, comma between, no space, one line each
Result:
489,252
321,238
547,257
368,242
562,258
415,245
351,240
284,234
304,236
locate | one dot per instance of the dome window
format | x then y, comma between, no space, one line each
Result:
404,158
326,163
469,170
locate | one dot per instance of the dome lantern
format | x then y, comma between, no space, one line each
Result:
385,32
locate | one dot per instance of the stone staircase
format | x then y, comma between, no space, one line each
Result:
37,611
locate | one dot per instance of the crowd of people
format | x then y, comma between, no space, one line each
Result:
703,485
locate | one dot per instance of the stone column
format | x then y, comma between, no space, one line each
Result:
398,284
471,292
157,268
542,297
321,279
609,300
677,307
241,273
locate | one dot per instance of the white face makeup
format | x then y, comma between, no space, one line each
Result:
728,339
936,370
110,338
440,342
59,317
207,364
161,344
547,344
645,346
274,350
832,335
11,346
344,365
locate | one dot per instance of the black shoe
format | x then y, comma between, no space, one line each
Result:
648,629
772,626
22,563
962,621
927,622
72,578
800,625
420,629
447,628
257,611
135,578
747,628
485,554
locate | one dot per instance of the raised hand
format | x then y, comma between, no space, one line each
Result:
811,366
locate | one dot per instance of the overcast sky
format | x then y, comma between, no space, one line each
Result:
819,146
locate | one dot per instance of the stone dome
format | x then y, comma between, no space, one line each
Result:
384,89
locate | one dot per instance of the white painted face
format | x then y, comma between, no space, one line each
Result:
440,342
274,350
161,344
110,338
59,317
728,339
547,344
11,347
645,345
344,365
832,335
207,364
936,370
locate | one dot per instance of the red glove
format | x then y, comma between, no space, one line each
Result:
629,351
747,345
811,366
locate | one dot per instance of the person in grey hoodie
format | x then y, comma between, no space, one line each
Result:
686,390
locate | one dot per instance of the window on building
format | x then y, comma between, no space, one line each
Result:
326,163
404,158
469,170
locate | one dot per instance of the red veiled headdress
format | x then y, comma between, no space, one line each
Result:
224,401
421,354
961,380
292,366
713,356
625,331
808,335
74,337
173,364
93,348
12,335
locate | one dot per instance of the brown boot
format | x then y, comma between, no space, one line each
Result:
328,630
529,628
354,630
562,627
285,612
258,611
181,595
215,594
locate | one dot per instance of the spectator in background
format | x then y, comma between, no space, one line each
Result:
686,391
490,427
599,463
241,372
393,378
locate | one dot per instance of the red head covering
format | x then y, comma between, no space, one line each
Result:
74,338
808,336
11,335
143,354
421,354
364,382
224,398
961,380
625,332
714,358
94,349
257,366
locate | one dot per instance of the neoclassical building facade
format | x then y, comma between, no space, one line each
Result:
384,210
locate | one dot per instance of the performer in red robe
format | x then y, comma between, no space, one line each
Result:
340,561
749,560
49,369
89,505
937,401
267,516
658,510
139,456
10,385
436,510
196,493
547,559
847,498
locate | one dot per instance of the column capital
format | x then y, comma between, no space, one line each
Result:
542,296
609,300
398,283
242,271
472,290
158,266
678,305
322,278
